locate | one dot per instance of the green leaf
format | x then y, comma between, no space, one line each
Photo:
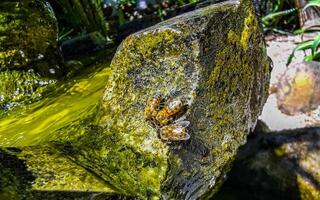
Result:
310,29
308,58
302,46
312,3
275,15
316,44
316,57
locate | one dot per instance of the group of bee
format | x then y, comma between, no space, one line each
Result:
166,116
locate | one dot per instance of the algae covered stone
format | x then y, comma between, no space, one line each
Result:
28,33
213,59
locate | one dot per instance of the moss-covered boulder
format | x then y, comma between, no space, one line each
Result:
213,60
28,35
276,165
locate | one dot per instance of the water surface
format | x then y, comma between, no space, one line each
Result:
71,101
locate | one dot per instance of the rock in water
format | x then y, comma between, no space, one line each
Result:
211,68
28,33
214,61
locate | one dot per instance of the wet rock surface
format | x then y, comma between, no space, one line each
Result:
21,87
220,72
218,69
29,34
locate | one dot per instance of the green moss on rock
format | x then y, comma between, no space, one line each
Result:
223,80
53,171
21,87
15,179
29,34
27,171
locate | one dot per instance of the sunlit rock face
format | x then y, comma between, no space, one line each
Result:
213,60
29,34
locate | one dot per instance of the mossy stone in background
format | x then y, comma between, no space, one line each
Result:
28,35
276,165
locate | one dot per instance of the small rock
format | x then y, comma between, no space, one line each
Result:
298,89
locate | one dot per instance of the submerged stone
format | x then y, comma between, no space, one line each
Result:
21,87
28,35
214,61
32,172
79,46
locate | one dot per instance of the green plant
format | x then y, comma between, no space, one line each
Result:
78,17
310,47
278,16
270,21
312,3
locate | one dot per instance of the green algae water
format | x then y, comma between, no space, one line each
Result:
70,102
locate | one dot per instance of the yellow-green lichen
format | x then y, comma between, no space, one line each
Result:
281,151
250,25
307,190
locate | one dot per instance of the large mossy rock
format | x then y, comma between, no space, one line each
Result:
28,35
214,60
276,165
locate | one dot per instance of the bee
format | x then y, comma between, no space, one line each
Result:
170,110
152,107
175,132
161,115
